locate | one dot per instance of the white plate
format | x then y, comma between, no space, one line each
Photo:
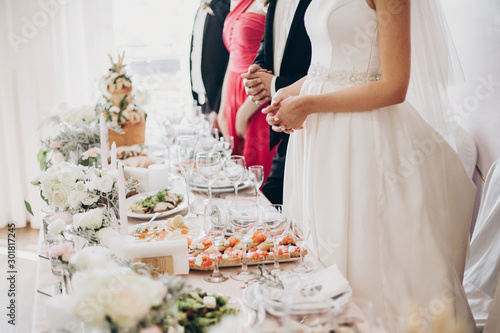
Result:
194,230
252,297
135,199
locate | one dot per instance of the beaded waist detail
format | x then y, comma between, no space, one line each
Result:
341,77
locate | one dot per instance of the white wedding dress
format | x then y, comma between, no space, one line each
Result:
388,200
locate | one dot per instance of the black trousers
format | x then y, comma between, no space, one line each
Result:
273,187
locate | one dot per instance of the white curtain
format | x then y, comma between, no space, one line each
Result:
52,51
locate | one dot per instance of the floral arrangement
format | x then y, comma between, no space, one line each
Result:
77,137
94,225
117,104
76,187
108,294
62,252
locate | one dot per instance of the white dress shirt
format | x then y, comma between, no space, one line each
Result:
283,17
198,28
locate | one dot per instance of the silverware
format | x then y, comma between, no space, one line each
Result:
140,229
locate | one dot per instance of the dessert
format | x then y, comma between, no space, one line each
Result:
120,108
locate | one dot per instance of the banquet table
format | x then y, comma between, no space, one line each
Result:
232,288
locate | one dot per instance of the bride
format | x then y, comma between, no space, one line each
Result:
386,196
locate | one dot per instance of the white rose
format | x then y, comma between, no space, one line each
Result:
71,116
80,186
89,199
91,257
130,304
56,227
89,289
106,234
88,220
75,199
59,195
57,157
67,177
113,174
104,183
88,113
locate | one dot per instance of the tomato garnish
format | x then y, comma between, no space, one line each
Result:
207,263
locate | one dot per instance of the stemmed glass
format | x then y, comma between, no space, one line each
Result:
301,232
215,225
234,168
209,140
186,158
243,220
209,165
276,225
168,136
256,175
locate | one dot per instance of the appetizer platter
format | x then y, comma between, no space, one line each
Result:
259,251
164,230
165,202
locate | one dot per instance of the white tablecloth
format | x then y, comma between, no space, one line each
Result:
230,287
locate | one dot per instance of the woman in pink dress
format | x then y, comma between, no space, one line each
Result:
243,31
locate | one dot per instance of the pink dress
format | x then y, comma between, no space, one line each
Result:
242,34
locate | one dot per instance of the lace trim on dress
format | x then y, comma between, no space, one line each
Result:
341,77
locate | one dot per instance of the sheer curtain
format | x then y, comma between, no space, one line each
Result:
52,51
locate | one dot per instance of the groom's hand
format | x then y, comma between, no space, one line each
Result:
257,82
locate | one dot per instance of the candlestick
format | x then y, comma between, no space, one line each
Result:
122,201
104,143
113,156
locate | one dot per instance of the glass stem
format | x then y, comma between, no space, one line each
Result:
66,290
210,188
187,194
244,267
216,261
276,262
169,165
301,254
235,189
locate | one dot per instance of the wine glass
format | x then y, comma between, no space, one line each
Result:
276,225
215,225
301,232
256,175
234,169
186,158
227,146
168,136
243,219
208,141
209,165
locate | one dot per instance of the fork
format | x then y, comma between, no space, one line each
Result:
141,228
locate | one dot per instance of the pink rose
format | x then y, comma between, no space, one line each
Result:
65,216
92,152
65,251
152,329
55,144
161,290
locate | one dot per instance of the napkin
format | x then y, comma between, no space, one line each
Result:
316,287
130,248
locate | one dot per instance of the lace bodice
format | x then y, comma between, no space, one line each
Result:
344,38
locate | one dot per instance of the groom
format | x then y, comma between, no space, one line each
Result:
284,51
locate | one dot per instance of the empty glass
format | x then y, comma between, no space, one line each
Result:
215,225
256,175
209,166
243,219
168,137
234,169
301,233
185,154
225,147
276,225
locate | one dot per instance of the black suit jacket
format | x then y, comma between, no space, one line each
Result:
214,55
296,56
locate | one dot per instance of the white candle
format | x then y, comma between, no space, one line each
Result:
158,177
122,201
104,143
113,156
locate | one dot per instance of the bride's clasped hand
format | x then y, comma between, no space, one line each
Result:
286,112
